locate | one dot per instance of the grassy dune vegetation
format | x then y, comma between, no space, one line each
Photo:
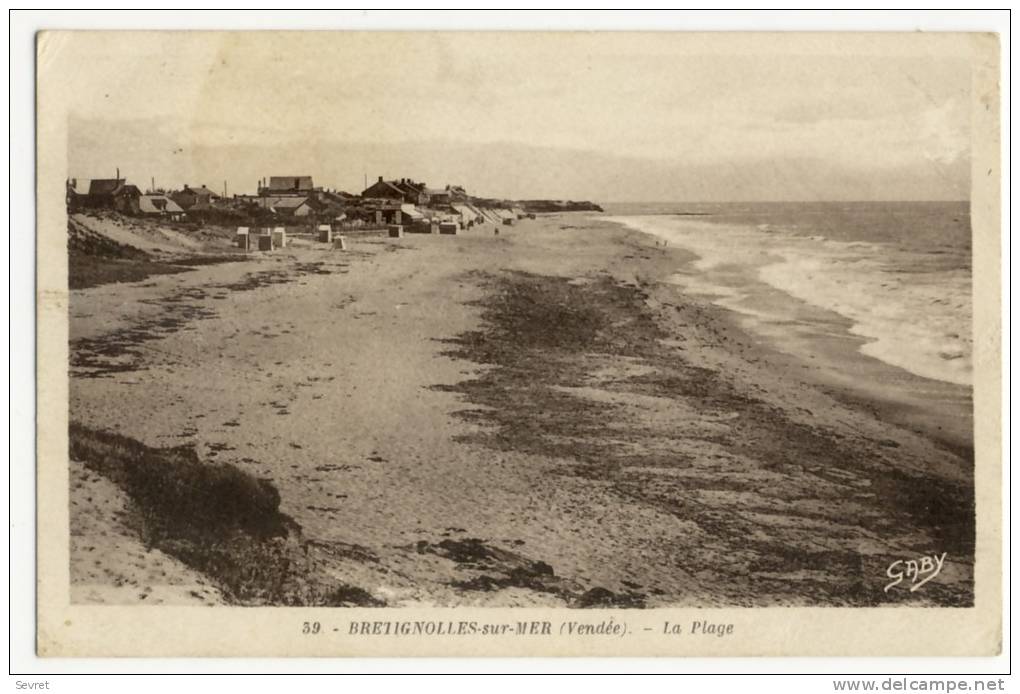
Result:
215,518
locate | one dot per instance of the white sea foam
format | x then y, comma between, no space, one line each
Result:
912,316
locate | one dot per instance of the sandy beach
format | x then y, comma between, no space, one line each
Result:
531,418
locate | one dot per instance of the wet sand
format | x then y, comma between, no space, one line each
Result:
530,418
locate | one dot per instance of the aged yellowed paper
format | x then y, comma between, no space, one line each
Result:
560,344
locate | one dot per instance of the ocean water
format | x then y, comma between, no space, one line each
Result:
895,275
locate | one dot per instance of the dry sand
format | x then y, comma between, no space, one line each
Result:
438,451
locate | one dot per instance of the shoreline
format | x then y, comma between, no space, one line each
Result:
858,378
361,384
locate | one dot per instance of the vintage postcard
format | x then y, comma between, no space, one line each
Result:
590,343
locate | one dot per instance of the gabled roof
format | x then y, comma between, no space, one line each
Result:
104,186
158,203
285,203
391,185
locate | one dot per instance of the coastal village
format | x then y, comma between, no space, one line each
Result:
289,205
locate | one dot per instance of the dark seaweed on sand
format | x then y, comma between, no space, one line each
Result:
542,335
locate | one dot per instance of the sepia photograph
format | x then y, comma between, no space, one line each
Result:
490,326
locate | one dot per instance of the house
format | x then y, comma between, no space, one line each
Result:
404,190
287,206
279,186
112,194
383,190
159,205
439,197
414,193
76,193
200,198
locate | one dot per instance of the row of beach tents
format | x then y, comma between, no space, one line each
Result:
491,214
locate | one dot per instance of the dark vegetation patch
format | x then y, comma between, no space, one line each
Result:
489,568
95,259
319,268
602,598
92,271
118,351
200,260
541,335
218,520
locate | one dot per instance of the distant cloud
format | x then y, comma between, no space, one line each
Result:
675,115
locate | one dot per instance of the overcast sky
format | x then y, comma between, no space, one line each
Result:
673,116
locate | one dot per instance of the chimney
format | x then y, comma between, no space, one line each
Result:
118,174
380,179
